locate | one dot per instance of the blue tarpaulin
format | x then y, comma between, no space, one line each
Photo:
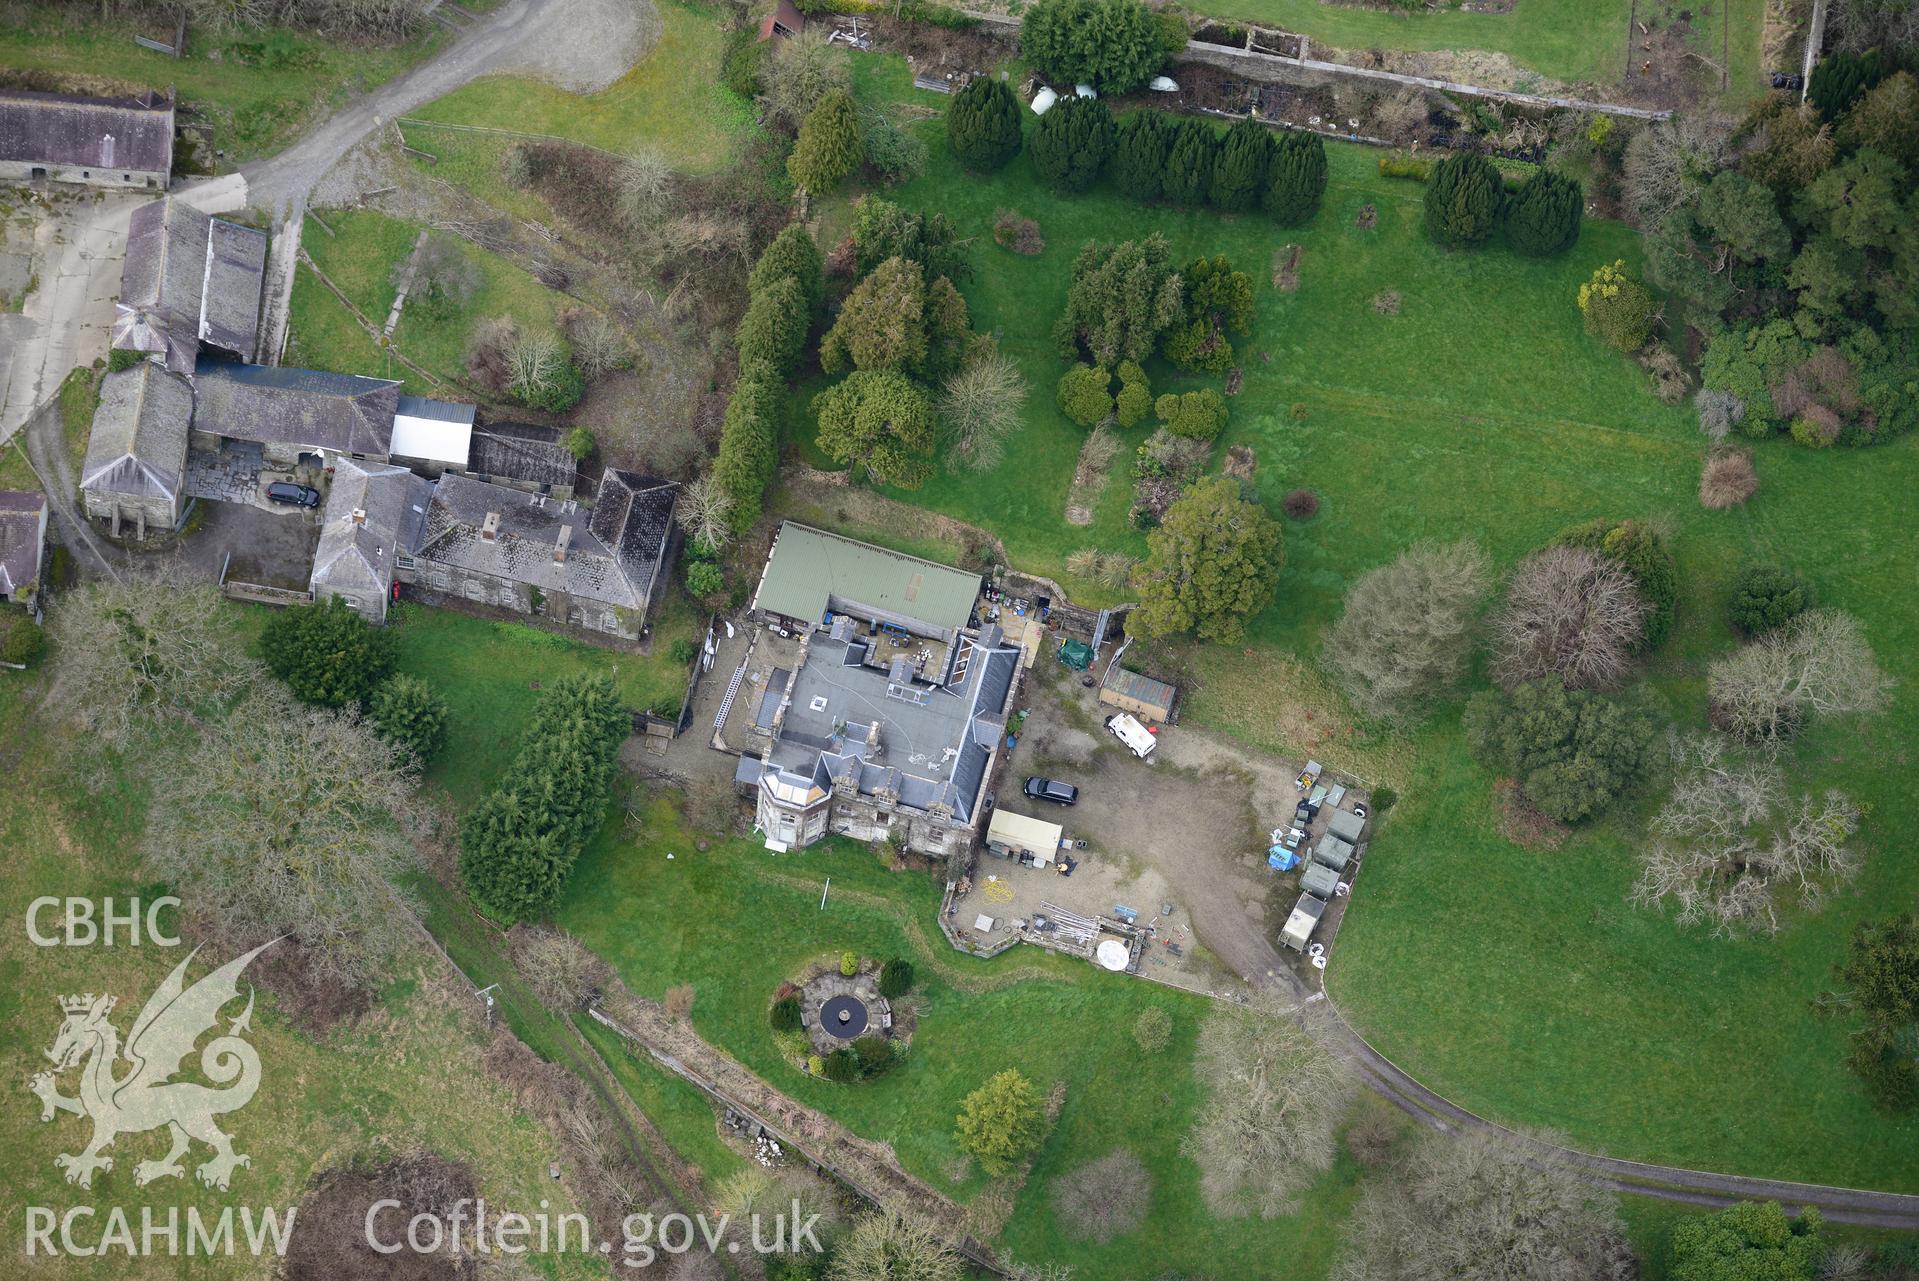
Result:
1281,859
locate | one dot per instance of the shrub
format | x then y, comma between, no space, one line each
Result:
874,1054
1297,178
983,124
1072,144
1573,752
815,1065
1383,799
1105,1199
1197,415
1617,308
1542,218
896,978
23,642
120,359
784,1014
1398,165
1719,412
704,579
893,153
1153,1029
327,654
1463,199
1300,504
842,1067
740,68
849,964
1635,547
1728,479
881,422
1083,395
1020,234
1765,596
1135,396
581,444
408,711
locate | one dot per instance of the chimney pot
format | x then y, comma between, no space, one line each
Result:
359,515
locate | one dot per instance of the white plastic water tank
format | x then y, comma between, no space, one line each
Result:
1043,101
1163,84
1084,91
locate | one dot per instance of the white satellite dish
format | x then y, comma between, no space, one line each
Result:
1112,955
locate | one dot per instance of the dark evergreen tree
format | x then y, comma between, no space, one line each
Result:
791,253
1114,45
328,654
1140,150
1072,144
1841,79
1055,36
1462,200
1542,218
1297,178
1189,162
1241,167
983,124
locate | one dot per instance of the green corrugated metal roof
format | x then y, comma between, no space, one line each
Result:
1143,688
807,566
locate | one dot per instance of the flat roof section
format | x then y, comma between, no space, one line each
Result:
810,570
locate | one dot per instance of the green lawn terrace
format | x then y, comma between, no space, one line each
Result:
1482,409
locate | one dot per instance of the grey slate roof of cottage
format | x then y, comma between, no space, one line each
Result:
302,407
934,747
633,515
522,550
127,134
532,455
357,555
20,515
138,448
189,278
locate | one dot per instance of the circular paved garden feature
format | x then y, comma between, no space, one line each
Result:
843,1016
825,997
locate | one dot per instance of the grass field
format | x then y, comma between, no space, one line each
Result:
1483,409
667,922
490,674
672,100
258,91
362,257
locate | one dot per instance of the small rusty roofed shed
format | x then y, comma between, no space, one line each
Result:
786,21
1144,697
811,573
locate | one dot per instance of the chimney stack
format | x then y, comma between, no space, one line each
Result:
359,515
559,548
490,529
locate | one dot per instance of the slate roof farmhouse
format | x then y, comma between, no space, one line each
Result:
23,534
137,454
375,514
290,412
102,142
189,279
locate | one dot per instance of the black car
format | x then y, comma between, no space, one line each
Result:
285,491
1048,789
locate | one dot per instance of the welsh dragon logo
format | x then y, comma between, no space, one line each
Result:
145,1098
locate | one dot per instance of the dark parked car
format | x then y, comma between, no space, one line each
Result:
285,491
1048,789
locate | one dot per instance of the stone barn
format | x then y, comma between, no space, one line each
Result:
97,142
137,455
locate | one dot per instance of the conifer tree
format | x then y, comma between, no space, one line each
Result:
1140,150
1297,178
1240,170
830,145
983,124
1463,200
1072,144
1542,219
1189,162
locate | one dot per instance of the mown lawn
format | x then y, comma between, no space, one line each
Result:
734,921
490,674
259,90
1520,984
672,100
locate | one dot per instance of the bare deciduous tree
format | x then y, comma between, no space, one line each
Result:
1276,1097
1406,636
563,974
1570,612
980,406
1728,479
133,652
1486,1206
888,1246
532,360
704,510
1719,412
1666,161
644,182
598,345
1104,1199
285,819
1819,664
1727,844
800,72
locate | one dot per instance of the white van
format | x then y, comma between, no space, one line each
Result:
1131,733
